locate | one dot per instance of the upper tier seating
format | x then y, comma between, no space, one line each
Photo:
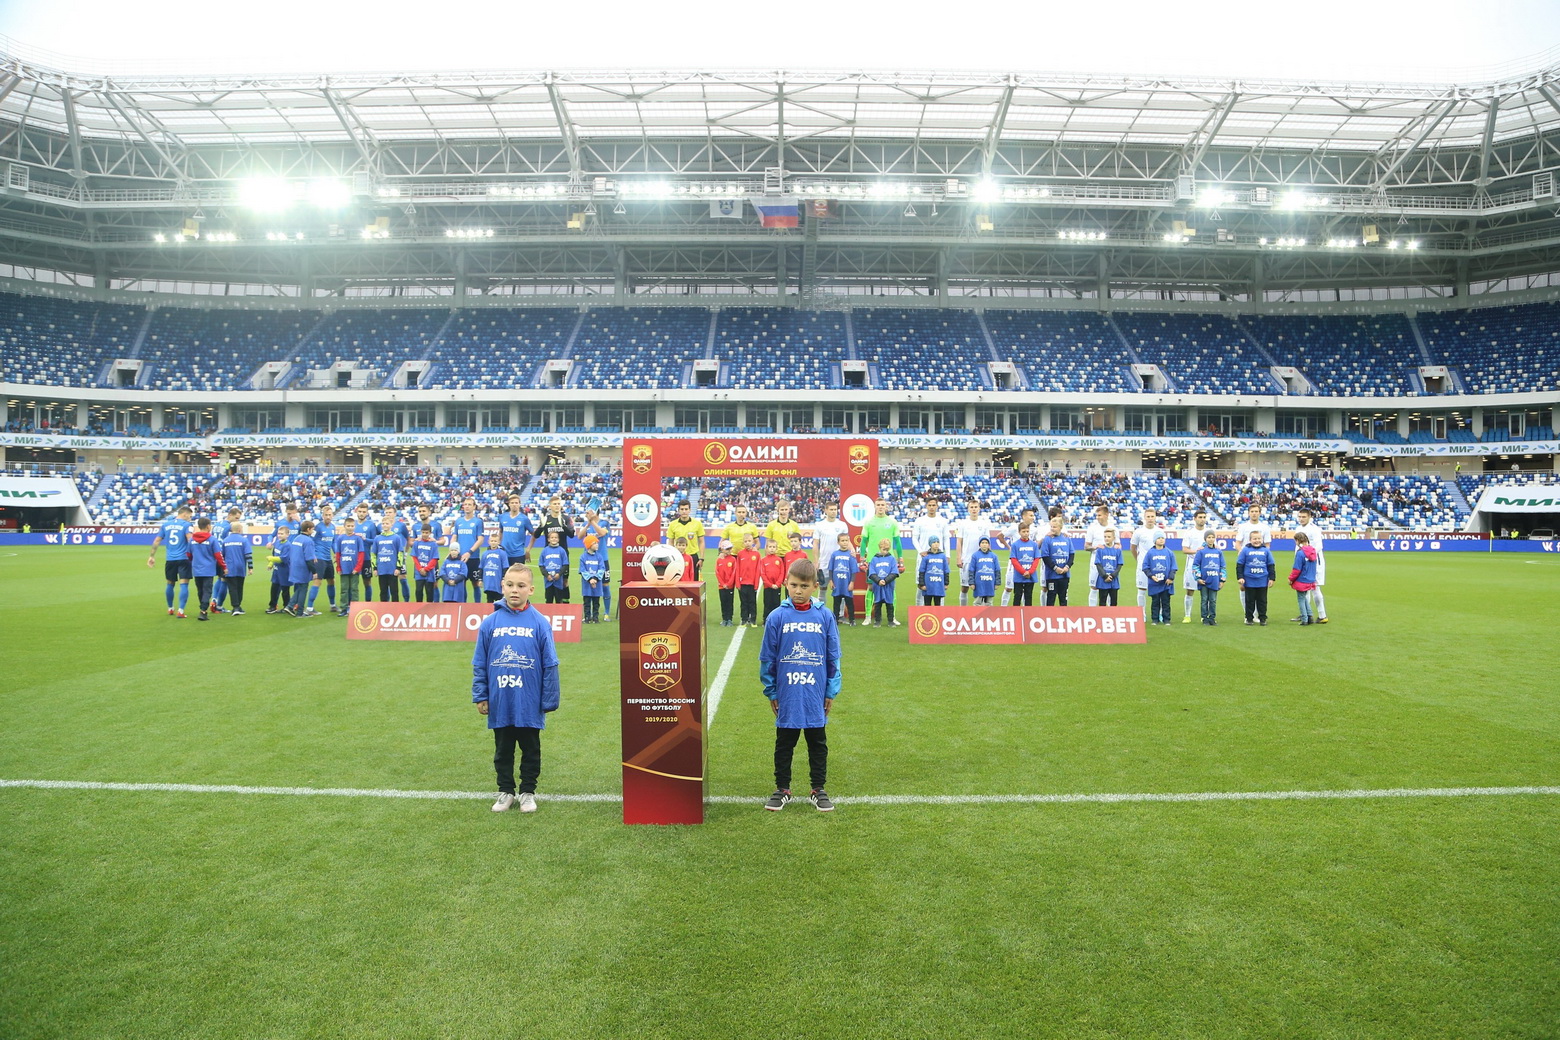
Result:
1071,351
1343,355
1498,349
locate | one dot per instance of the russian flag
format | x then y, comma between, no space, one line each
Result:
778,211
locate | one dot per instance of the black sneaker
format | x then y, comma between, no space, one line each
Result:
777,800
272,610
820,798
202,617
236,612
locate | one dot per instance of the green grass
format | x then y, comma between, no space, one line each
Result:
217,915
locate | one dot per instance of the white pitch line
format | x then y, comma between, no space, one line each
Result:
877,799
718,687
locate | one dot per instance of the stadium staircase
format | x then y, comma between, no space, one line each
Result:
1459,500
100,492
1419,341
1268,359
568,352
362,496
296,369
434,343
1213,507
529,490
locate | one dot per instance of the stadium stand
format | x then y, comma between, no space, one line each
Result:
190,349
1333,505
1127,495
378,340
1345,355
1070,351
1199,353
146,498
922,350
62,342
490,349
265,498
1497,349
779,348
1415,502
638,348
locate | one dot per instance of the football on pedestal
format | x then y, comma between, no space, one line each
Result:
662,565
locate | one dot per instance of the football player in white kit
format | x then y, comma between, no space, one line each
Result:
1143,540
1253,522
1191,541
1094,538
968,530
1308,527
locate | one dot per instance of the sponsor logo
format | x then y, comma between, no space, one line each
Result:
660,601
858,458
717,453
365,621
660,660
511,657
27,494
631,603
1540,501
857,510
926,625
641,510
641,458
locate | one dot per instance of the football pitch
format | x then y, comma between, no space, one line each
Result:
945,898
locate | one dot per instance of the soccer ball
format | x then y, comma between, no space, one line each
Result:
662,564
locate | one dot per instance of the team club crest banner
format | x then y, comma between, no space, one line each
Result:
1008,625
647,462
448,622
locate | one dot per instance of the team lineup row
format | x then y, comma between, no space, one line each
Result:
440,560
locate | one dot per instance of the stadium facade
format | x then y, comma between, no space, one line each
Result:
487,265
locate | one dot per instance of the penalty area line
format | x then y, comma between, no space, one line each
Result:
878,799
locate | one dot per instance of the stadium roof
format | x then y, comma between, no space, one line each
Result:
1466,172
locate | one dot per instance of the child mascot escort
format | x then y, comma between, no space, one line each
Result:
799,668
514,683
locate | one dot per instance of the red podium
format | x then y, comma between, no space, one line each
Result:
663,681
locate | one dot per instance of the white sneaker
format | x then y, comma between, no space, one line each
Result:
528,803
505,803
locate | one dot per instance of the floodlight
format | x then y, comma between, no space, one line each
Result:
159,237
987,190
1295,200
1213,197
267,194
329,194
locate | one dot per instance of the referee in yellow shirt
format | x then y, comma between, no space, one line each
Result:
741,531
686,529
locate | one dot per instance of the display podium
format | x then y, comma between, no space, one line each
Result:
663,679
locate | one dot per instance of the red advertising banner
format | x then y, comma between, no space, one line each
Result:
433,622
662,679
647,462
1027,625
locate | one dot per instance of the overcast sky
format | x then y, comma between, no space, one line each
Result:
1362,40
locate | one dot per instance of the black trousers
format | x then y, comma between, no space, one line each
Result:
235,590
203,592
389,588
817,755
748,595
1108,597
529,738
929,600
427,591
727,596
1256,602
1023,594
1056,592
878,606
845,607
557,595
771,600
278,592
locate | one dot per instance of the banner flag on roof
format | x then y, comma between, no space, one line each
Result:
776,211
727,209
